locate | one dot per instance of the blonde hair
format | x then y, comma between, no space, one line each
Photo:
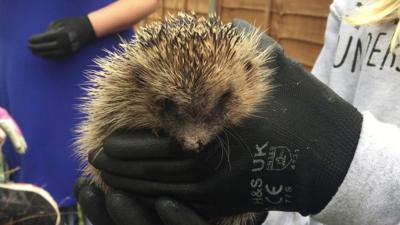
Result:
377,12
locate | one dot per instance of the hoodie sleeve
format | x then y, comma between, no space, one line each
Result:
370,192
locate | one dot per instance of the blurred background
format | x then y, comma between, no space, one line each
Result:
298,25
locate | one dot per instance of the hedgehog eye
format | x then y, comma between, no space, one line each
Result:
165,104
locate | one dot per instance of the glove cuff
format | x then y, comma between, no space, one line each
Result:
336,126
338,154
324,131
90,34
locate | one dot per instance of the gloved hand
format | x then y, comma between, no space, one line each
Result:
292,156
9,128
119,208
113,208
173,212
62,38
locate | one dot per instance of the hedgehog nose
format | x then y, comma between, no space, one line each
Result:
200,146
193,145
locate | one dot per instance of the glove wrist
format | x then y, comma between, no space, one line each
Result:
79,30
90,34
305,144
333,130
340,149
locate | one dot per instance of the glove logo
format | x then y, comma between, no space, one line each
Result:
262,193
277,196
273,191
279,158
274,158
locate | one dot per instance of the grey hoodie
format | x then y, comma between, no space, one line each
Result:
356,63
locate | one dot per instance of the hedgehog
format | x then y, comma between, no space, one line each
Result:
187,75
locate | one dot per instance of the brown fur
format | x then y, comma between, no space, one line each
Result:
186,75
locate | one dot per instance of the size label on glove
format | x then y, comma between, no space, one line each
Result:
272,158
263,193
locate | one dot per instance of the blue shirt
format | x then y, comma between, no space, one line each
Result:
42,95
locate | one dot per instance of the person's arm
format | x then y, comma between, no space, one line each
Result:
66,36
120,15
322,70
370,192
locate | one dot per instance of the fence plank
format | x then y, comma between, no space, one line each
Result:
244,4
307,29
256,17
200,6
174,4
316,8
305,53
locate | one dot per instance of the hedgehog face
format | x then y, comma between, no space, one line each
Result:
195,104
195,118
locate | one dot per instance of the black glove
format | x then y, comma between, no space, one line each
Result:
292,156
173,212
113,208
119,208
62,38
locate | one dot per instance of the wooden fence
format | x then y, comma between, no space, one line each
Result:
298,25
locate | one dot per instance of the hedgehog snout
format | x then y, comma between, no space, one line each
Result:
192,144
193,138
